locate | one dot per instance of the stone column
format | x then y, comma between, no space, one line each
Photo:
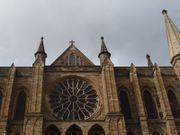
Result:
139,101
164,105
7,100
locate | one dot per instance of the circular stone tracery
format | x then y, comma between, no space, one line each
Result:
73,99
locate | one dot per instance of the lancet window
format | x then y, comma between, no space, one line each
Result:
20,106
174,104
150,105
124,104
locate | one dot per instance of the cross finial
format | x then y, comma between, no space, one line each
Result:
72,42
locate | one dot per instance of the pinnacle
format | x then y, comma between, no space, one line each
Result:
149,62
41,49
104,49
164,12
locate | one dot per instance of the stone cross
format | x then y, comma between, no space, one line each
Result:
72,42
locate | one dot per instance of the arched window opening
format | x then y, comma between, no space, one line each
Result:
155,133
20,106
72,59
150,105
74,130
17,133
130,132
124,104
96,130
78,60
52,130
174,104
67,60
1,97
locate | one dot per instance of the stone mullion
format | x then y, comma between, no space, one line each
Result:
5,112
139,101
164,102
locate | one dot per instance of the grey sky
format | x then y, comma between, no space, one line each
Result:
131,29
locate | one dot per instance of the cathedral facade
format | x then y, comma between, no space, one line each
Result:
72,96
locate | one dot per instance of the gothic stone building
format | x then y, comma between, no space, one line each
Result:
72,96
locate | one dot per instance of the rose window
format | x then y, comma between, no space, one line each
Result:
73,99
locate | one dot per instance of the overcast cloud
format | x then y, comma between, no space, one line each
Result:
131,29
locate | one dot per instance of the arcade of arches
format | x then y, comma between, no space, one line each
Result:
75,130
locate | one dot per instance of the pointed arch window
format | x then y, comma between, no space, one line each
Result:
1,97
150,105
72,59
155,133
124,104
174,104
74,130
96,130
52,130
130,132
78,60
20,106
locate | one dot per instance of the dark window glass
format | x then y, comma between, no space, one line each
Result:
174,104
96,130
125,107
52,130
72,59
155,133
1,97
73,99
74,130
20,106
130,133
150,105
78,60
67,60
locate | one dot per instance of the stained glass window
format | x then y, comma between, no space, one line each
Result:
73,99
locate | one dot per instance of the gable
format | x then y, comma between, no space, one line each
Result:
72,56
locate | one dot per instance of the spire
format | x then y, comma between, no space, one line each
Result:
104,49
41,49
149,62
173,36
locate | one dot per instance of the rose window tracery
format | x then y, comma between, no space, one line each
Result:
73,99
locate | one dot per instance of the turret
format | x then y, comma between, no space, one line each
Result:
173,36
104,55
41,51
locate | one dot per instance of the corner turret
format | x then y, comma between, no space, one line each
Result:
41,51
104,55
